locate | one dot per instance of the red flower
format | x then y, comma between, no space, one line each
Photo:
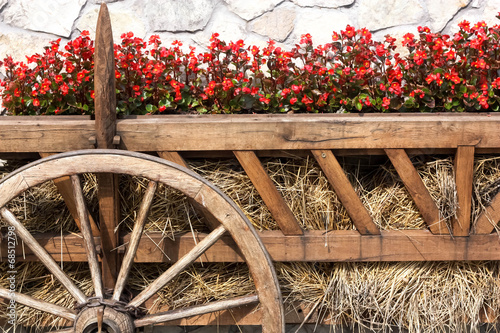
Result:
293,100
296,88
36,102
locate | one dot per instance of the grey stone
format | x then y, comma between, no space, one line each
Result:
56,16
323,3
320,23
249,10
121,21
3,3
380,14
173,15
440,12
276,25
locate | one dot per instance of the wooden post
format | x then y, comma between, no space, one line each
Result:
105,120
464,174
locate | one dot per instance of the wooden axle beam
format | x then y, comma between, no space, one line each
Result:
334,246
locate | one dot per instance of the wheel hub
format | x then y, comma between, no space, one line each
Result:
112,321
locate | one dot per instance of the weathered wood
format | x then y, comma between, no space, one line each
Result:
187,182
64,187
314,245
196,310
38,304
417,190
24,134
44,257
175,157
344,190
178,267
269,193
135,237
329,131
88,238
489,218
105,119
464,175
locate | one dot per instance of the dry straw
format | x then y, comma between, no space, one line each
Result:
421,297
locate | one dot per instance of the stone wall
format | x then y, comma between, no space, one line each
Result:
27,25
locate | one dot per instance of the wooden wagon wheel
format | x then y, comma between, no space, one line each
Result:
97,310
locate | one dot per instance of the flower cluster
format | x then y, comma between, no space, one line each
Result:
353,73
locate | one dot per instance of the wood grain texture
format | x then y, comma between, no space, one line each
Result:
344,190
417,190
88,238
290,132
269,193
196,310
489,218
24,134
314,245
175,157
38,304
43,256
65,189
464,175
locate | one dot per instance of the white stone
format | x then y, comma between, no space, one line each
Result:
440,12
56,16
380,14
320,23
250,9
323,3
276,25
174,15
487,14
229,26
2,3
19,45
122,21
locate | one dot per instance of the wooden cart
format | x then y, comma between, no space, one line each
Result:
109,147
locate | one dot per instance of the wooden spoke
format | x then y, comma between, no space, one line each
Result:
464,174
64,188
344,190
269,193
176,268
417,189
175,157
87,236
38,304
134,240
196,310
44,257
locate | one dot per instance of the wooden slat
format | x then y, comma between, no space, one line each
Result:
464,174
344,190
332,131
489,218
105,118
314,245
417,190
63,185
269,193
22,134
175,157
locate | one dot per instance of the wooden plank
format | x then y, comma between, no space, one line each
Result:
313,246
20,134
269,193
329,131
105,118
175,157
417,190
64,187
489,218
344,190
464,175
